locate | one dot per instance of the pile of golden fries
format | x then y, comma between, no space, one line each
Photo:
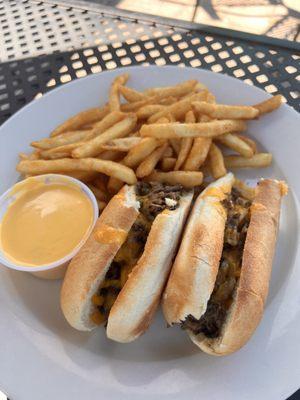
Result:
171,134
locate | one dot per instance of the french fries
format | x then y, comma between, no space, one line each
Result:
164,134
269,105
259,160
114,92
235,143
179,109
93,146
184,178
216,162
203,129
221,111
77,121
148,165
110,168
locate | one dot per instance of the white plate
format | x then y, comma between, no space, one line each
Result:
43,358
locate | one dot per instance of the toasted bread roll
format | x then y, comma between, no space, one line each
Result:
133,310
220,301
196,266
89,266
119,274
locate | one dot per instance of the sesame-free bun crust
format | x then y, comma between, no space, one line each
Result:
196,265
88,268
137,302
248,304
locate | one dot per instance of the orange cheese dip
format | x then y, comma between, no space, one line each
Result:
45,223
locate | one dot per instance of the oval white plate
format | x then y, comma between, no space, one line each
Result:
43,358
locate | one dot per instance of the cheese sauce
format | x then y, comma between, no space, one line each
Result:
45,223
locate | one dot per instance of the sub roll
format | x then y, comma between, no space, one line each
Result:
219,281
118,276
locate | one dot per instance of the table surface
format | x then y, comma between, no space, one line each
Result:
48,43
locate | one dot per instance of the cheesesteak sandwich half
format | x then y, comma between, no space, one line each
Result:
220,277
119,274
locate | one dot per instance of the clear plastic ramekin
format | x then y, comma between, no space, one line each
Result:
56,269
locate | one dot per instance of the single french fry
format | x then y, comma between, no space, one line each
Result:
198,154
235,143
59,152
114,94
167,164
139,152
77,121
148,110
184,178
246,191
178,109
185,143
259,160
269,105
177,90
99,194
148,165
221,111
136,105
190,117
131,95
216,162
62,140
109,168
107,122
200,129
250,142
93,146
122,144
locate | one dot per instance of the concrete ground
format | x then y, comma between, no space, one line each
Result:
277,18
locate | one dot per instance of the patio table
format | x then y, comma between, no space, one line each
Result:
44,44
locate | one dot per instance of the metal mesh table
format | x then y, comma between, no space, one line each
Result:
44,44
48,43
